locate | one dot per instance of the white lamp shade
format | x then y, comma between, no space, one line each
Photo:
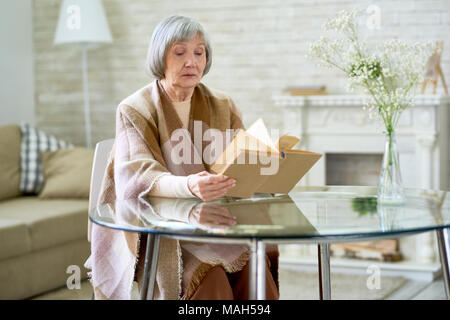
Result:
82,22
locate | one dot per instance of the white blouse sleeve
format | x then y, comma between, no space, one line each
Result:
171,186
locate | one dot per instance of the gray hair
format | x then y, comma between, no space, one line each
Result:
170,30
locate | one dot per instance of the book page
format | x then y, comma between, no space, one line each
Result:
242,141
259,130
287,142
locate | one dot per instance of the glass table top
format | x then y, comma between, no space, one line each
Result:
306,212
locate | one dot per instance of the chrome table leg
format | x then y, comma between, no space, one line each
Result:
253,270
261,271
145,276
443,243
153,267
325,270
319,267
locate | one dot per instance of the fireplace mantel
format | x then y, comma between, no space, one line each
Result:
349,100
339,124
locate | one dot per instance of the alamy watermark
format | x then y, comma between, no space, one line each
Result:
74,280
73,21
373,21
374,280
247,150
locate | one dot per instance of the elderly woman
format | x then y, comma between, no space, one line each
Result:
144,162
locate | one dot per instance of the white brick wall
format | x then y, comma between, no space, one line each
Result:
258,46
16,62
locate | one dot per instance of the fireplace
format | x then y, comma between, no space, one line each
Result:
356,169
352,169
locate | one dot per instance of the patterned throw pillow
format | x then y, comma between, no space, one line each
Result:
35,141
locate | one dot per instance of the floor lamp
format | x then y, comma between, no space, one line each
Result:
83,24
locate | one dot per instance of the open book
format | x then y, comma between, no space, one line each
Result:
260,165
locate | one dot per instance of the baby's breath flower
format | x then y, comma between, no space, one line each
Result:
389,75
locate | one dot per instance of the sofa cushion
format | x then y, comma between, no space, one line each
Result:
50,222
32,274
9,161
67,173
14,238
33,142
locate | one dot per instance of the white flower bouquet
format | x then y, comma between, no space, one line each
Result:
387,72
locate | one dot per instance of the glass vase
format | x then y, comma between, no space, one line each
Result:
390,189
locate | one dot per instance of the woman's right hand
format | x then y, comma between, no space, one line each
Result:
208,186
209,215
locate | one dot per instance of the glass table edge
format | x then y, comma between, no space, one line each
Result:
313,238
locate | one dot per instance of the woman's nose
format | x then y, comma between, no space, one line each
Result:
190,61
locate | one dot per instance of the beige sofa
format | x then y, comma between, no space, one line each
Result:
39,238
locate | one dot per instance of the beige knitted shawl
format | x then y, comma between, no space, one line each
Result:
142,151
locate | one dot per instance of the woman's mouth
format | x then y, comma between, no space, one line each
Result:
189,75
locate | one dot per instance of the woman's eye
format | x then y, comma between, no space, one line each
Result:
199,53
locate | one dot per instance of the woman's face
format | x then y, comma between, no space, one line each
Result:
185,62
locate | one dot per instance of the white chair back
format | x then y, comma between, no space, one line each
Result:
101,154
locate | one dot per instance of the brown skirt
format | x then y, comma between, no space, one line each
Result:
218,284
221,285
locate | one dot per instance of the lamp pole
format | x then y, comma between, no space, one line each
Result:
87,109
